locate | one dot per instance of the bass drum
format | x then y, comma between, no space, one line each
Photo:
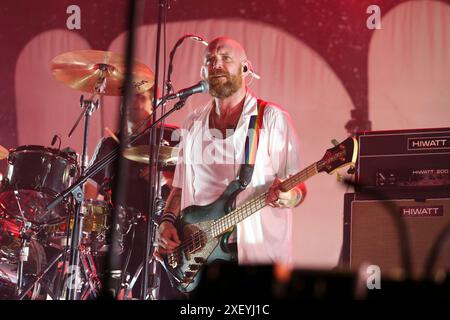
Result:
8,273
34,175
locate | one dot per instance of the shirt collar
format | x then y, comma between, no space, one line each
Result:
249,109
250,104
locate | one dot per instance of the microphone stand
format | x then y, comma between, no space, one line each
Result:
172,55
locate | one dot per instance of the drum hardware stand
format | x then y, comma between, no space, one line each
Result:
62,267
130,285
90,272
24,249
84,104
121,277
17,196
156,277
23,256
116,289
122,289
39,277
152,290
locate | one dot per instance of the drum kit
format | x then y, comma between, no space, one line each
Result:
35,241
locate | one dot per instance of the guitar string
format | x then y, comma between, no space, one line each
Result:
199,236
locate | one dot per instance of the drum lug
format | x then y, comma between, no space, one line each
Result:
72,171
11,159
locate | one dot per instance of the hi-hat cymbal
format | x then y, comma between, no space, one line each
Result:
167,155
84,70
4,153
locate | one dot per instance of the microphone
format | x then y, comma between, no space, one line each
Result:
198,38
201,87
55,137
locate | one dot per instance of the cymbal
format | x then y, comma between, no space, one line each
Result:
4,153
167,155
84,70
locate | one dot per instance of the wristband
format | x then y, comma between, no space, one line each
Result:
169,217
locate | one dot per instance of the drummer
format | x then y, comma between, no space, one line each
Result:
137,174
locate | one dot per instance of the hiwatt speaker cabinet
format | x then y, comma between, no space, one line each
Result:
371,235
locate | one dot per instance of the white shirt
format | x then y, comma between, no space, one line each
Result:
206,165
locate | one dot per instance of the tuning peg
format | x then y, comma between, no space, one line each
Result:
334,142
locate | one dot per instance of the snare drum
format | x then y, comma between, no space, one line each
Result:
96,222
34,175
97,216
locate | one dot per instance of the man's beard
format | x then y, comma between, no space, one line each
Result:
220,89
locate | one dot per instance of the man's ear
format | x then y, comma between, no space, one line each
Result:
246,68
204,73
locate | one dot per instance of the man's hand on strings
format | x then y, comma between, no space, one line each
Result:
168,239
279,199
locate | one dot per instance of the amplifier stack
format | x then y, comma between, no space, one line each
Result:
402,177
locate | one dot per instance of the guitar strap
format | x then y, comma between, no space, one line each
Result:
246,170
251,144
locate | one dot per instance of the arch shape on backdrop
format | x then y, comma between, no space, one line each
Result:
409,68
44,106
294,76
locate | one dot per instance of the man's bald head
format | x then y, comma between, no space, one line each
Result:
229,45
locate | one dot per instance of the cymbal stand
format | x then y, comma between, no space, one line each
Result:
89,106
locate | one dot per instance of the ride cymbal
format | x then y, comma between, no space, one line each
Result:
167,155
88,70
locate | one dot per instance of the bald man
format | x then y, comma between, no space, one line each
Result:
212,151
